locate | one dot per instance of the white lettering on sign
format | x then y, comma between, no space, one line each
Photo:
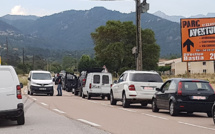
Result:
202,31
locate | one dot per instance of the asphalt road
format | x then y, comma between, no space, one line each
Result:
72,114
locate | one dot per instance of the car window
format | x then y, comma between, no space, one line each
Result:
196,86
166,86
145,77
96,79
125,76
41,76
105,79
6,79
121,78
173,85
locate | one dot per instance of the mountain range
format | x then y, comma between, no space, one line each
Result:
70,30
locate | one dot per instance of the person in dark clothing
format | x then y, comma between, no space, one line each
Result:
59,87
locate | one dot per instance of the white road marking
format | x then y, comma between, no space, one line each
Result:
155,116
57,110
196,125
34,99
44,104
128,110
88,122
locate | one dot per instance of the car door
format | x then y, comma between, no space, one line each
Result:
161,95
115,87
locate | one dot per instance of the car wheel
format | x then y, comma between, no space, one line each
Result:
125,102
209,114
88,96
51,94
76,92
154,106
112,100
28,92
172,109
31,93
214,115
144,104
108,97
82,95
103,97
21,119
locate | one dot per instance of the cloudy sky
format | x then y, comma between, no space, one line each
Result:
46,7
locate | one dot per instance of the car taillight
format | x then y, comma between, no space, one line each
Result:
90,85
131,88
19,92
111,85
180,88
84,82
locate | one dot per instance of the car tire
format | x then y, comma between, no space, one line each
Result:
51,94
108,97
21,119
103,97
144,104
76,92
28,92
31,93
209,114
112,100
154,106
213,115
172,110
82,95
125,102
88,96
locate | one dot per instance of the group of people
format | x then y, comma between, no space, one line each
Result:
59,87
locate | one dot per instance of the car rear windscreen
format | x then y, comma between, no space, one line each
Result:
105,79
70,76
196,86
41,76
96,79
6,79
145,77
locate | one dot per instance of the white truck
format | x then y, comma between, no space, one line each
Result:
97,84
11,105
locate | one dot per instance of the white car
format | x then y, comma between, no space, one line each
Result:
40,82
97,84
135,87
11,105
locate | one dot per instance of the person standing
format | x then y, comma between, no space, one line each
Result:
59,87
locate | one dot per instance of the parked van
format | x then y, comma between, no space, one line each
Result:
11,105
40,82
97,84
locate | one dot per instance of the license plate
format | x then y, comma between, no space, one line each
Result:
42,88
199,97
148,88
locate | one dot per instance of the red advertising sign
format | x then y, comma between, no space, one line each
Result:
198,39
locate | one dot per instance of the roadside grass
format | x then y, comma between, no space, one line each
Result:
23,79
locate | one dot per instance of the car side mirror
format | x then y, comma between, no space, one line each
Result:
115,81
29,79
21,85
158,89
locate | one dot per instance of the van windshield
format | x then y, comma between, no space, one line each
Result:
145,77
6,79
41,76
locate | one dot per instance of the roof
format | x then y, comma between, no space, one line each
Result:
187,79
39,71
135,71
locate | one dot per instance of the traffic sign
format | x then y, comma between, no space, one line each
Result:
198,39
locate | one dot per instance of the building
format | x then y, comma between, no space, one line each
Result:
179,67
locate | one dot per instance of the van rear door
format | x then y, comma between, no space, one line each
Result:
8,83
106,83
95,86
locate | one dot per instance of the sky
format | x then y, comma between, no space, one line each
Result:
185,8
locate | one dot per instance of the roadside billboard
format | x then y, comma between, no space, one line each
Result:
198,39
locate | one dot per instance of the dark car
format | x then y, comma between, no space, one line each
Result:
83,76
213,112
184,95
69,81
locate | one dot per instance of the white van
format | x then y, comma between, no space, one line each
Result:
11,105
97,84
40,82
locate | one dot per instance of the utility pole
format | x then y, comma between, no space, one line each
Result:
140,8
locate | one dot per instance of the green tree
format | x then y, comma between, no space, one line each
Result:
114,43
86,62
